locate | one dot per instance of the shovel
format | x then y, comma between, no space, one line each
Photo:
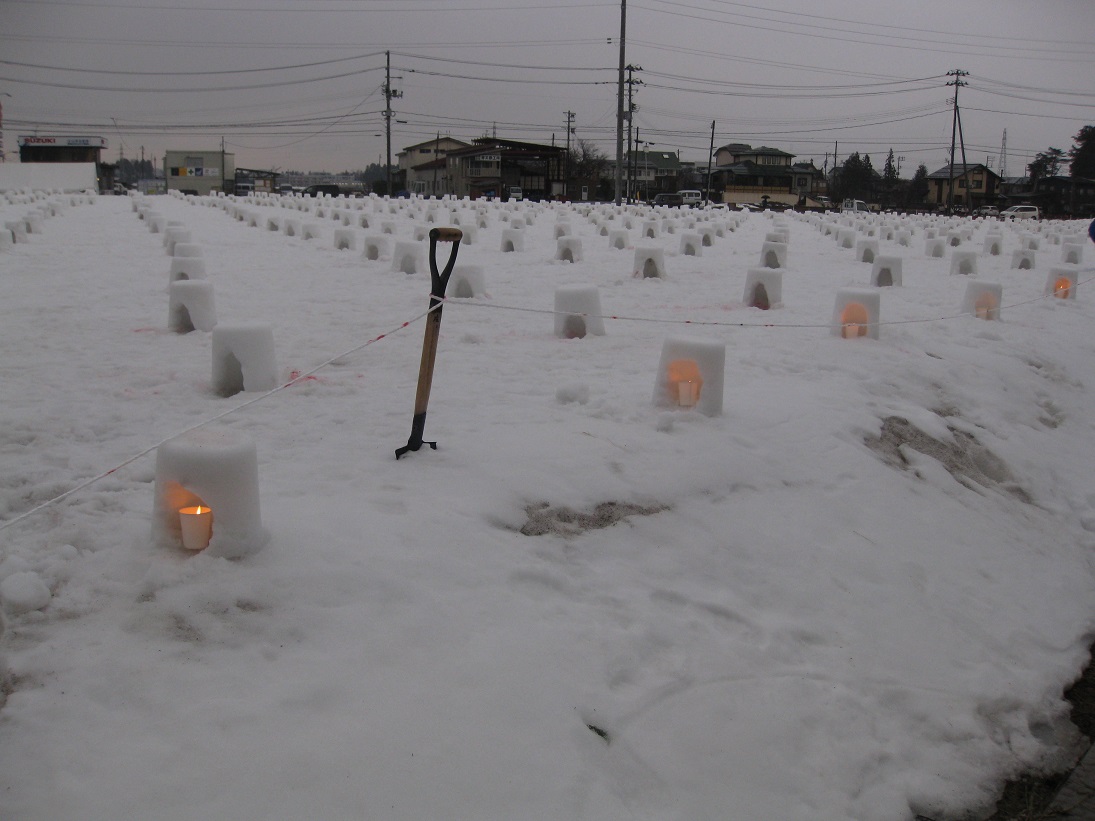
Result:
439,282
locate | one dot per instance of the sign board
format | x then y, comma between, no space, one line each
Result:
65,142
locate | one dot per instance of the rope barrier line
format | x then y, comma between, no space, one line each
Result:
473,303
299,377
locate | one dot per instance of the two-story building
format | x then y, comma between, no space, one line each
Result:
973,184
424,167
746,174
492,167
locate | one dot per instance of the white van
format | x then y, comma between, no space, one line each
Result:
1021,212
855,207
691,199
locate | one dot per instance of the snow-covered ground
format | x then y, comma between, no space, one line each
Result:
788,624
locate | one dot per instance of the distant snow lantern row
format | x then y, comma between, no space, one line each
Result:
994,245
649,263
1062,282
690,375
467,282
691,244
964,263
207,494
866,250
578,312
982,299
886,271
408,257
1072,253
513,240
376,246
1023,259
773,255
856,313
617,238
568,249
345,239
935,247
190,306
763,288
243,359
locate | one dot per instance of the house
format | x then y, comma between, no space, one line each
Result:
64,149
424,166
652,173
746,174
973,185
490,167
199,172
1059,196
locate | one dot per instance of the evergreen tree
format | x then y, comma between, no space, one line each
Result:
1046,164
1082,153
889,173
919,187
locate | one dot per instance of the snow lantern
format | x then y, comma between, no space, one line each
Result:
291,228
773,255
273,224
190,306
345,239
846,237
649,263
243,359
408,257
886,271
650,229
763,288
513,239
866,250
562,229
903,238
186,268
1023,259
578,312
376,246
1030,242
468,235
935,247
691,244
982,299
207,494
690,375
617,238
856,313
310,230
1061,282
994,244
173,235
964,262
1072,253
568,249
467,282
954,238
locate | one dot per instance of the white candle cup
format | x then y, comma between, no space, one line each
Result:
982,312
851,330
686,394
197,527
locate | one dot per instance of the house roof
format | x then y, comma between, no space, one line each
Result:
748,168
960,169
661,160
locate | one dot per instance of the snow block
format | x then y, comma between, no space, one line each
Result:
172,235
409,258
691,244
617,238
935,247
273,224
982,299
1023,259
773,255
856,313
649,263
886,271
190,306
467,282
690,375
1062,281
763,288
650,229
291,228
866,250
215,468
846,238
345,239
1072,253
964,262
562,229
513,239
309,230
578,312
994,245
186,249
376,246
243,359
568,249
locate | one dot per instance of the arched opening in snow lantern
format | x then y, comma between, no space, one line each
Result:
566,254
507,246
650,268
684,382
885,277
771,259
1025,264
463,289
180,321
574,327
854,320
407,264
230,380
1072,255
1062,287
986,306
994,248
760,298
967,266
868,255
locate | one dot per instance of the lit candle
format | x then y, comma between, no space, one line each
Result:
851,330
197,527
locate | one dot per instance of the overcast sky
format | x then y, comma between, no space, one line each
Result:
298,84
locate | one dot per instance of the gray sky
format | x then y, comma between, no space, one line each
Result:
297,84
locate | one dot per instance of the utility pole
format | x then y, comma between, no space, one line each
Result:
620,105
1004,155
710,159
957,74
631,109
389,93
566,179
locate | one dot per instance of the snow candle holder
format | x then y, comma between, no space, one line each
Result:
243,359
982,300
578,312
207,493
690,375
886,272
763,288
1062,282
856,313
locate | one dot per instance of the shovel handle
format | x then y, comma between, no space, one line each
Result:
446,234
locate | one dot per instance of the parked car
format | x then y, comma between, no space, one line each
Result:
670,200
692,198
854,207
1021,212
987,211
322,189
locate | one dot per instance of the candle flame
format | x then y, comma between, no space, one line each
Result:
199,511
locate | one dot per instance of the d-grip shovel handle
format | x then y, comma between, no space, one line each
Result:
440,281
